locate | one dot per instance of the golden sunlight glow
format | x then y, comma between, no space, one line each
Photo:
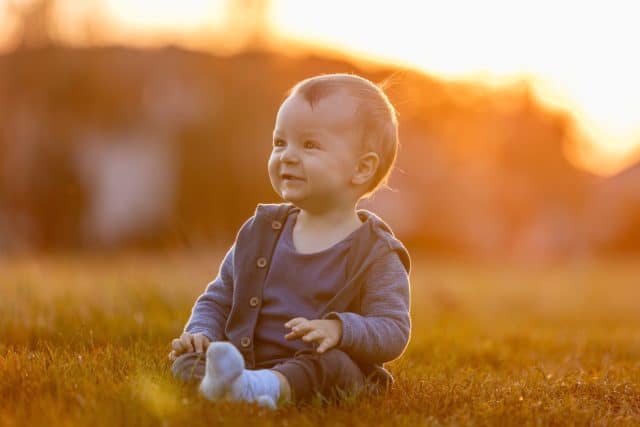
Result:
580,56
166,14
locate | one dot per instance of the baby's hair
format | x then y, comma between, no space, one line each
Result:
377,114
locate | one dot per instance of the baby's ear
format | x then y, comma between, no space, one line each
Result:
366,168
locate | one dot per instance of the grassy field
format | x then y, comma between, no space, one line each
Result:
84,341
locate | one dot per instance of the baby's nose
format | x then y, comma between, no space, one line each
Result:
289,156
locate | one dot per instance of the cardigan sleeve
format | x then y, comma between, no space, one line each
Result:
211,309
381,331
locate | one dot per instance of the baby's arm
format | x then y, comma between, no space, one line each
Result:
380,332
211,309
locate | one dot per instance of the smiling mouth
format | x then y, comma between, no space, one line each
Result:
288,177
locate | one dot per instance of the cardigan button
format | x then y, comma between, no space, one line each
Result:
261,262
245,342
254,301
276,225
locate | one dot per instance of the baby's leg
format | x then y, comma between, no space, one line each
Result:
309,373
189,367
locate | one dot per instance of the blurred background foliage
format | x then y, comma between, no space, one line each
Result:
104,147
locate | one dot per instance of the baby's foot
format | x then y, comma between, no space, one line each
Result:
225,376
224,364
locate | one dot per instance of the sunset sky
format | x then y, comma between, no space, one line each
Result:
580,56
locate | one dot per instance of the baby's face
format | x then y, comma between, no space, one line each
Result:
315,152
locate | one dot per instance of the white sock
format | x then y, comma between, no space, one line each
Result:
225,376
261,386
221,368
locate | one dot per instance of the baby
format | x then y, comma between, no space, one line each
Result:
313,296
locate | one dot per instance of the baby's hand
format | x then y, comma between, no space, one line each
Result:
324,332
188,342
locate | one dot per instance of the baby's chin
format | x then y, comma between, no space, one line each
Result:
297,201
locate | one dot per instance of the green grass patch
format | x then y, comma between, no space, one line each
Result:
84,341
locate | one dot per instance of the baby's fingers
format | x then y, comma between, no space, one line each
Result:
206,343
200,342
325,345
185,340
299,327
299,330
295,322
313,336
293,335
176,345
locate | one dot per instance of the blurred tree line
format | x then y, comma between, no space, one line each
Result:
167,148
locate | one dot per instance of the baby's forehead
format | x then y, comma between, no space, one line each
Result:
336,111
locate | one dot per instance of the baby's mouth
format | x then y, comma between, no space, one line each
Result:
288,177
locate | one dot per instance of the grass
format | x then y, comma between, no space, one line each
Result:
84,341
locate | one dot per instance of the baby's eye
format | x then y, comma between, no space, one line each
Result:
309,144
278,143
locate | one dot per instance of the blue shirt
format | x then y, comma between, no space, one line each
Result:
372,304
297,285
